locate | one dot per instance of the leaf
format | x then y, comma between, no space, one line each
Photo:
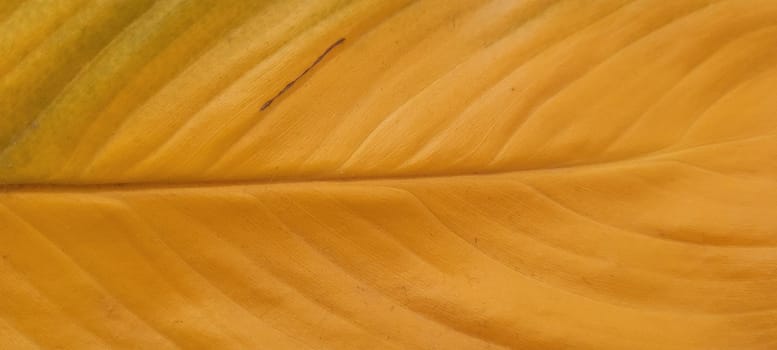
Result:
365,174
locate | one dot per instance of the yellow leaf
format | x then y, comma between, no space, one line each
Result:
239,174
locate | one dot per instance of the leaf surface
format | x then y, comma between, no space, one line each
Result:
388,174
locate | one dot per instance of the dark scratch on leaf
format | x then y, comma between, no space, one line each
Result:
290,84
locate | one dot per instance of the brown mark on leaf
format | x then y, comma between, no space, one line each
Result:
290,84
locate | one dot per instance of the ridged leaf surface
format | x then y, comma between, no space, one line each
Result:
372,174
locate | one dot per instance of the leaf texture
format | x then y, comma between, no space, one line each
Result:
388,174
